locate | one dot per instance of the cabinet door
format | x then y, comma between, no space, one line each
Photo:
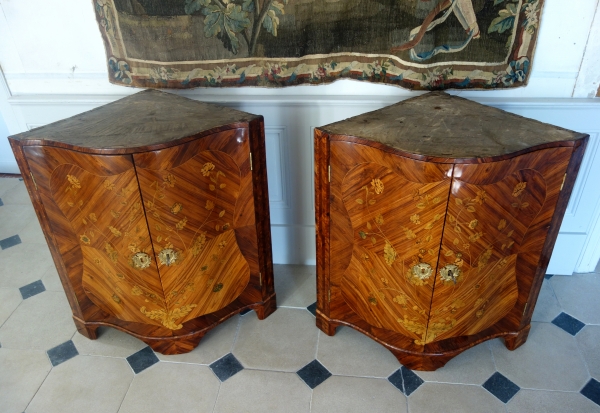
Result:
498,217
387,215
200,210
95,211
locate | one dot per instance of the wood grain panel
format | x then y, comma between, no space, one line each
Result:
192,204
395,223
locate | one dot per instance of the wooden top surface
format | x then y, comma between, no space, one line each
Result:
145,119
443,126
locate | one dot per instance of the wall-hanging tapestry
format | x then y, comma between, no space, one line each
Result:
416,44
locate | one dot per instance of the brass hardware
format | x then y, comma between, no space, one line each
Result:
328,173
450,272
251,162
33,179
140,260
525,309
422,270
168,257
563,182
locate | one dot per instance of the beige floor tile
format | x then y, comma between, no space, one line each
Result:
17,195
23,264
589,343
578,295
473,366
350,353
51,280
32,232
295,285
547,306
10,298
40,322
21,374
214,345
170,387
14,219
549,360
84,384
453,398
340,394
540,401
253,391
7,184
285,341
110,342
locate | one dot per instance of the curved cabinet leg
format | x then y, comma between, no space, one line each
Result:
89,331
176,346
267,308
515,340
326,325
422,363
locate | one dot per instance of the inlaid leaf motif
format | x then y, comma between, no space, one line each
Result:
362,234
369,226
458,201
456,241
181,224
448,253
471,208
360,201
176,208
373,240
221,214
93,217
389,253
85,239
429,225
379,219
209,205
115,231
502,224
473,224
212,187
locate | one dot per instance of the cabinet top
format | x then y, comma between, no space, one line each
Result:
438,125
145,119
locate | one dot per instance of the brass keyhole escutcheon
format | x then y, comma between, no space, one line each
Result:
168,257
140,260
422,270
450,273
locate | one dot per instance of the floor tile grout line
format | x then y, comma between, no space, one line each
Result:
126,393
12,312
235,337
217,396
40,386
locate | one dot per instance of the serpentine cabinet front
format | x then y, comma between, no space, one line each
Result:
431,258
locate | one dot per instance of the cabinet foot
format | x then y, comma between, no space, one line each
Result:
89,331
180,346
266,308
325,325
515,340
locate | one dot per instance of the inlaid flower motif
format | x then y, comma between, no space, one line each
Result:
74,182
176,208
222,244
85,239
519,188
209,205
136,290
481,197
206,168
415,219
377,186
379,219
115,231
389,253
473,224
108,185
169,180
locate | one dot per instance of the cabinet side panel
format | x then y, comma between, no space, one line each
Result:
498,219
387,217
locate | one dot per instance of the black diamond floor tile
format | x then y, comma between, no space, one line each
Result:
501,387
411,381
568,323
141,360
10,242
245,311
548,276
1,203
313,308
313,374
226,367
396,380
592,391
62,353
32,289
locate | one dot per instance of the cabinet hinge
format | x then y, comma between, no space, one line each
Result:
251,161
328,173
260,278
329,296
525,309
33,179
563,182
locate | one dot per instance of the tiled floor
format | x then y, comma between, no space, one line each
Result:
281,364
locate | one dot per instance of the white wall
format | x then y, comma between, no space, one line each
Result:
54,65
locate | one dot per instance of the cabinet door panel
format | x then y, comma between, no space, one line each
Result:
193,197
498,217
388,214
99,226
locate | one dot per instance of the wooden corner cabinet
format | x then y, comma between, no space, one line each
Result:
155,209
436,219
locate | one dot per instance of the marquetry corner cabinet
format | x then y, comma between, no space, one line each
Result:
436,219
155,209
